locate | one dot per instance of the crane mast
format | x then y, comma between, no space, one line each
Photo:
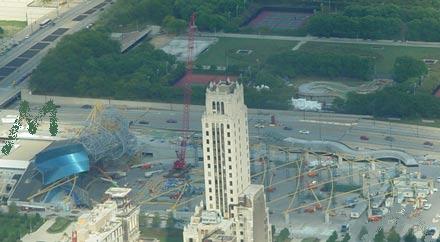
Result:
180,163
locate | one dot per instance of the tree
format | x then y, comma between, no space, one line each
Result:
273,231
333,237
155,223
12,209
393,236
346,238
171,221
406,67
1,31
380,236
409,236
174,25
283,236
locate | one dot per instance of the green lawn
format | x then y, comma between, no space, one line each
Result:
60,225
164,235
384,55
227,47
310,240
11,27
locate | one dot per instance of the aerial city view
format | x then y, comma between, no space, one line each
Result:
219,120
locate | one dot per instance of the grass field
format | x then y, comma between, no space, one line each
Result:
261,49
227,47
59,225
384,55
11,27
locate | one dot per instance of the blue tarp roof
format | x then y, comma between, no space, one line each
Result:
62,160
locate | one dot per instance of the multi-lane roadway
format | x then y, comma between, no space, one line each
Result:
347,129
18,63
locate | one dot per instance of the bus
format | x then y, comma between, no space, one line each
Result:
45,23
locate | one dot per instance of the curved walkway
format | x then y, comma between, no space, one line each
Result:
337,147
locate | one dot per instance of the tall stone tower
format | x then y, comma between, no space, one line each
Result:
225,147
235,209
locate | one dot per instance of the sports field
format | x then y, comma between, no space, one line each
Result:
279,20
253,51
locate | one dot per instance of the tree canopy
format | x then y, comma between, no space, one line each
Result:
211,14
14,225
406,67
391,102
393,236
392,20
90,64
409,236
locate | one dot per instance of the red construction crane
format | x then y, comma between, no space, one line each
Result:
180,162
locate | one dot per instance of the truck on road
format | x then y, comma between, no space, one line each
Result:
358,210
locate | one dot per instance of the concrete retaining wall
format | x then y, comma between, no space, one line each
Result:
75,101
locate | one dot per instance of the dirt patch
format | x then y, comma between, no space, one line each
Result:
160,41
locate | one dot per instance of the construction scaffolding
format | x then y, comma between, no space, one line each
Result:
106,135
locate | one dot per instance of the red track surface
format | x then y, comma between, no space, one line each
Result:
203,79
279,20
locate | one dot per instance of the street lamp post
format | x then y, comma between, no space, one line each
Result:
320,127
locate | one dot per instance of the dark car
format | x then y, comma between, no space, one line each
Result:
171,121
430,231
428,143
364,137
345,228
287,128
144,122
389,138
87,106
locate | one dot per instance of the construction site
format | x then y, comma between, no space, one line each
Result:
313,187
306,183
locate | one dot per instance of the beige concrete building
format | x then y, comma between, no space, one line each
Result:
235,210
127,212
116,220
100,224
28,10
13,9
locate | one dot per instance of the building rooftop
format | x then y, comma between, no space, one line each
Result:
224,86
22,153
118,192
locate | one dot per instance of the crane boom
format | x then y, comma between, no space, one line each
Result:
180,163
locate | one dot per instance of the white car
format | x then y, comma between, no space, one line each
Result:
427,206
438,179
260,126
304,132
